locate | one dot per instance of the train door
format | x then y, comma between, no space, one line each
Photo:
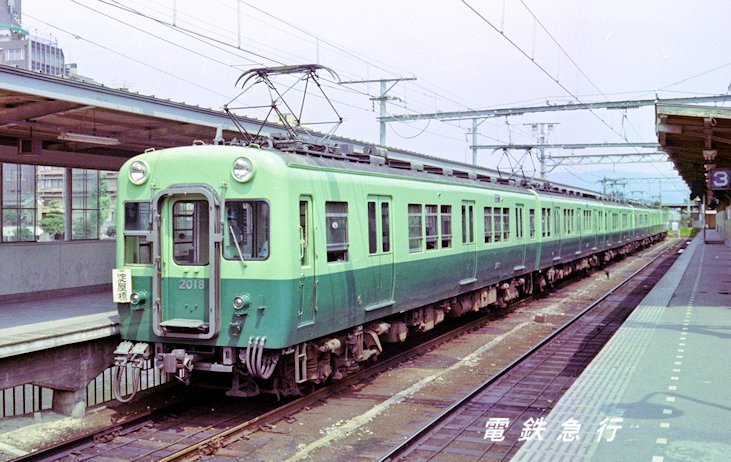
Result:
380,254
469,243
187,260
308,269
579,227
520,237
557,232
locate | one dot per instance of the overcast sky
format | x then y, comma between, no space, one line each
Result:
549,51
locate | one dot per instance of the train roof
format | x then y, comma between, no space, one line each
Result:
377,160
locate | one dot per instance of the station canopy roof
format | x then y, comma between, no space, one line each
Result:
696,138
57,121
48,120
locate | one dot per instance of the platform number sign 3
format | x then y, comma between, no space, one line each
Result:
720,178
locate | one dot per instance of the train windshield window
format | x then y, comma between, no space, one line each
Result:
247,230
190,232
137,216
336,224
137,224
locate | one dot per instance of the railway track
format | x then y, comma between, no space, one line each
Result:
527,389
188,432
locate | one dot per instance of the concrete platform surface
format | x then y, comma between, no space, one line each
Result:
41,324
660,390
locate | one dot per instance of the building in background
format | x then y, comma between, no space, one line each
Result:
37,202
25,51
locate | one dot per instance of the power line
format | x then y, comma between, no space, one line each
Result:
169,74
557,81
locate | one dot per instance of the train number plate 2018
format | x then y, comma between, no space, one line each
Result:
121,285
192,284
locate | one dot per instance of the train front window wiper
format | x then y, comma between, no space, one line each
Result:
236,243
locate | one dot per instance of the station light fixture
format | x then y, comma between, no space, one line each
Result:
89,139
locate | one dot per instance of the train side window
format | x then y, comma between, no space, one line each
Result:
415,228
304,232
432,230
468,223
498,217
385,228
372,228
487,213
247,230
336,223
506,224
519,221
137,224
532,223
545,222
446,220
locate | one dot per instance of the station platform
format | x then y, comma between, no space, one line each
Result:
36,325
660,390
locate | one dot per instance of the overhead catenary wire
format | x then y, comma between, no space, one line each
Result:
205,39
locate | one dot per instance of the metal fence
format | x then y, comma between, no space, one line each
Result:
27,399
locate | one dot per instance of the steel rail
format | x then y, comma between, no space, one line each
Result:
241,431
395,452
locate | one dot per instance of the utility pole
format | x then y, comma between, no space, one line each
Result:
382,99
541,130
473,132
613,183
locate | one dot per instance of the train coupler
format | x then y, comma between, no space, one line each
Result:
177,362
133,354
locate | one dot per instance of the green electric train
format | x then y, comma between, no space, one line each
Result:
279,270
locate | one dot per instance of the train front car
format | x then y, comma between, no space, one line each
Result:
201,282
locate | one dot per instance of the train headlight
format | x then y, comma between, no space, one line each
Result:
137,298
138,172
242,170
241,302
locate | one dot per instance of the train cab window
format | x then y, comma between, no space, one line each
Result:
247,230
432,230
336,225
415,228
446,223
137,224
190,232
